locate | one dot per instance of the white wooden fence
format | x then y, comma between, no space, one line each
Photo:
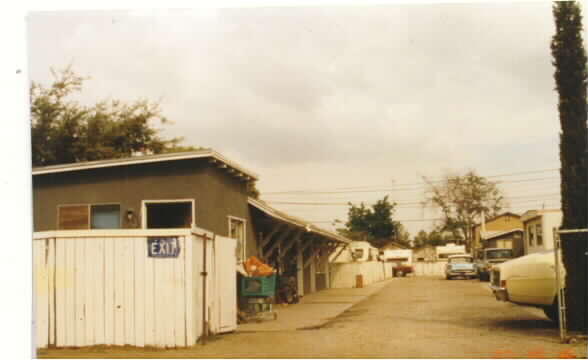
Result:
343,275
429,268
100,287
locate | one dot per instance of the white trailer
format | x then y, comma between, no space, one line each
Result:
443,252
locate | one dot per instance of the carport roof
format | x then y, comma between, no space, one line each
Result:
488,235
309,227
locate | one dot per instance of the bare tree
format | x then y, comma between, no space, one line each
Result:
462,200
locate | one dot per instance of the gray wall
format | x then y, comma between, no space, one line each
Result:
216,193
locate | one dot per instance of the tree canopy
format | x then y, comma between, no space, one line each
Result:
462,199
64,131
433,238
569,59
373,224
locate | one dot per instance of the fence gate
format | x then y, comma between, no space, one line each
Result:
226,273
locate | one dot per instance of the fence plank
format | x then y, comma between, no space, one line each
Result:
119,292
90,285
51,284
109,286
169,302
159,289
40,294
211,297
70,324
60,298
189,319
81,285
179,297
129,289
197,244
138,253
99,292
149,295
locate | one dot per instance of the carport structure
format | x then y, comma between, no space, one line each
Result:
294,246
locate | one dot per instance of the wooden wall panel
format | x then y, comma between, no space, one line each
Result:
73,217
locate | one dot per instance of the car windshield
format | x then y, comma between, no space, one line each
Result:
461,259
499,254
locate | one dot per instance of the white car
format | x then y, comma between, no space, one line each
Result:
528,280
460,266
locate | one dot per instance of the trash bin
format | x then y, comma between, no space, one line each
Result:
260,292
359,281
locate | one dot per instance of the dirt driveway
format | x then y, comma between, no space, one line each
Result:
409,318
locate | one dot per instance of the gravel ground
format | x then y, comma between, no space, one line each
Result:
409,318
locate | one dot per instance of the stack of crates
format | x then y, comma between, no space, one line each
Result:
259,291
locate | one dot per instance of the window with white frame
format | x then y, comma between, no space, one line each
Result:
237,231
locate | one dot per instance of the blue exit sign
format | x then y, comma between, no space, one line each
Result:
163,247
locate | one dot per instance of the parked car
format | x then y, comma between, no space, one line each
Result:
487,258
528,280
460,266
402,259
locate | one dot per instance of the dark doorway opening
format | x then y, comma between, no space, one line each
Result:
169,215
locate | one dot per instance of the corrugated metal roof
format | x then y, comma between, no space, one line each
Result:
277,214
204,153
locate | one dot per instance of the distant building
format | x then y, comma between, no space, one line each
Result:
424,254
538,229
488,229
443,252
509,239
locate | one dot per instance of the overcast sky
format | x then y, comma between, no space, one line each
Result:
325,98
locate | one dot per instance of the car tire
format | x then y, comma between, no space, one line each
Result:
447,277
552,312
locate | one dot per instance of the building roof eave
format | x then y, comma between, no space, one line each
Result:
204,153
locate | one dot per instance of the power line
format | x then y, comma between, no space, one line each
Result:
399,204
399,220
395,189
410,184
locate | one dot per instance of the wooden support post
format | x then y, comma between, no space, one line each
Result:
289,244
269,236
259,247
313,270
327,270
313,251
299,267
307,244
278,241
340,251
